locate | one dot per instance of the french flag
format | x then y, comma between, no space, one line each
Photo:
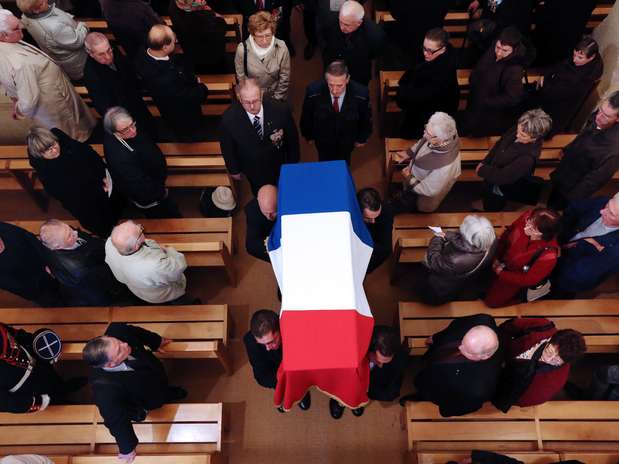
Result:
320,249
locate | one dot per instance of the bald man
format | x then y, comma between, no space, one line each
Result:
261,214
463,363
153,273
176,91
111,81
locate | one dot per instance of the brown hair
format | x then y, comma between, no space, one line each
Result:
570,343
262,322
159,36
547,222
385,340
261,21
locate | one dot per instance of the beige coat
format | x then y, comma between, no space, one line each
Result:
61,37
43,91
272,72
153,274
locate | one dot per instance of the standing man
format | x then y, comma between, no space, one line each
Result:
379,220
39,89
177,92
592,158
260,213
257,137
128,381
336,114
111,81
263,343
354,39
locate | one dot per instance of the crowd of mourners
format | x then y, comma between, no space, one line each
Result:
560,246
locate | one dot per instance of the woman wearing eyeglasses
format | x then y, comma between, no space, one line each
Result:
430,86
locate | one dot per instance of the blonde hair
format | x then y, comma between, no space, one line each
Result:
27,6
261,21
39,140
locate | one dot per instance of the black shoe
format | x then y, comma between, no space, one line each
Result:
306,402
175,394
309,50
411,397
281,409
358,412
74,384
574,391
335,409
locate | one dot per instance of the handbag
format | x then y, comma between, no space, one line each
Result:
543,287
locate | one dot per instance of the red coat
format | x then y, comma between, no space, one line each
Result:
515,250
546,384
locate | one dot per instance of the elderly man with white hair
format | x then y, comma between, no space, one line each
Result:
39,89
463,363
432,169
354,39
153,273
455,261
589,245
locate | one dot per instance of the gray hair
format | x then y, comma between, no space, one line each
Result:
93,39
4,15
245,82
352,8
48,234
535,123
39,140
443,126
478,231
95,352
124,242
113,116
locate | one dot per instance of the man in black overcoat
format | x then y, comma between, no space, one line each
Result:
177,92
257,137
463,363
260,213
378,218
336,114
27,383
128,380
111,81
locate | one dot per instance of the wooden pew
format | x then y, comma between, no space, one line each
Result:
527,457
205,242
79,429
197,331
552,426
597,319
192,165
411,235
150,459
592,457
472,151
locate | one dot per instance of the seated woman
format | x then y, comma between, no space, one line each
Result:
75,175
264,57
455,260
57,34
564,87
433,167
512,160
199,28
538,358
526,255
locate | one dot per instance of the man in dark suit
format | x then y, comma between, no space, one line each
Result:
463,363
263,343
590,245
111,81
128,380
354,39
280,9
336,114
77,260
260,213
22,267
591,159
257,137
176,91
27,383
378,218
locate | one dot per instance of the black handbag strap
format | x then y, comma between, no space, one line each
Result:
245,70
536,256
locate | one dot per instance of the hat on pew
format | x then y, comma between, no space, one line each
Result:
47,345
217,202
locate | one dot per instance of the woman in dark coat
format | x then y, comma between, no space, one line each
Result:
496,89
455,260
565,86
75,175
512,159
538,360
430,86
199,28
526,255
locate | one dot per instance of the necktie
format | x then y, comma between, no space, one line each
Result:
336,104
260,4
258,126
